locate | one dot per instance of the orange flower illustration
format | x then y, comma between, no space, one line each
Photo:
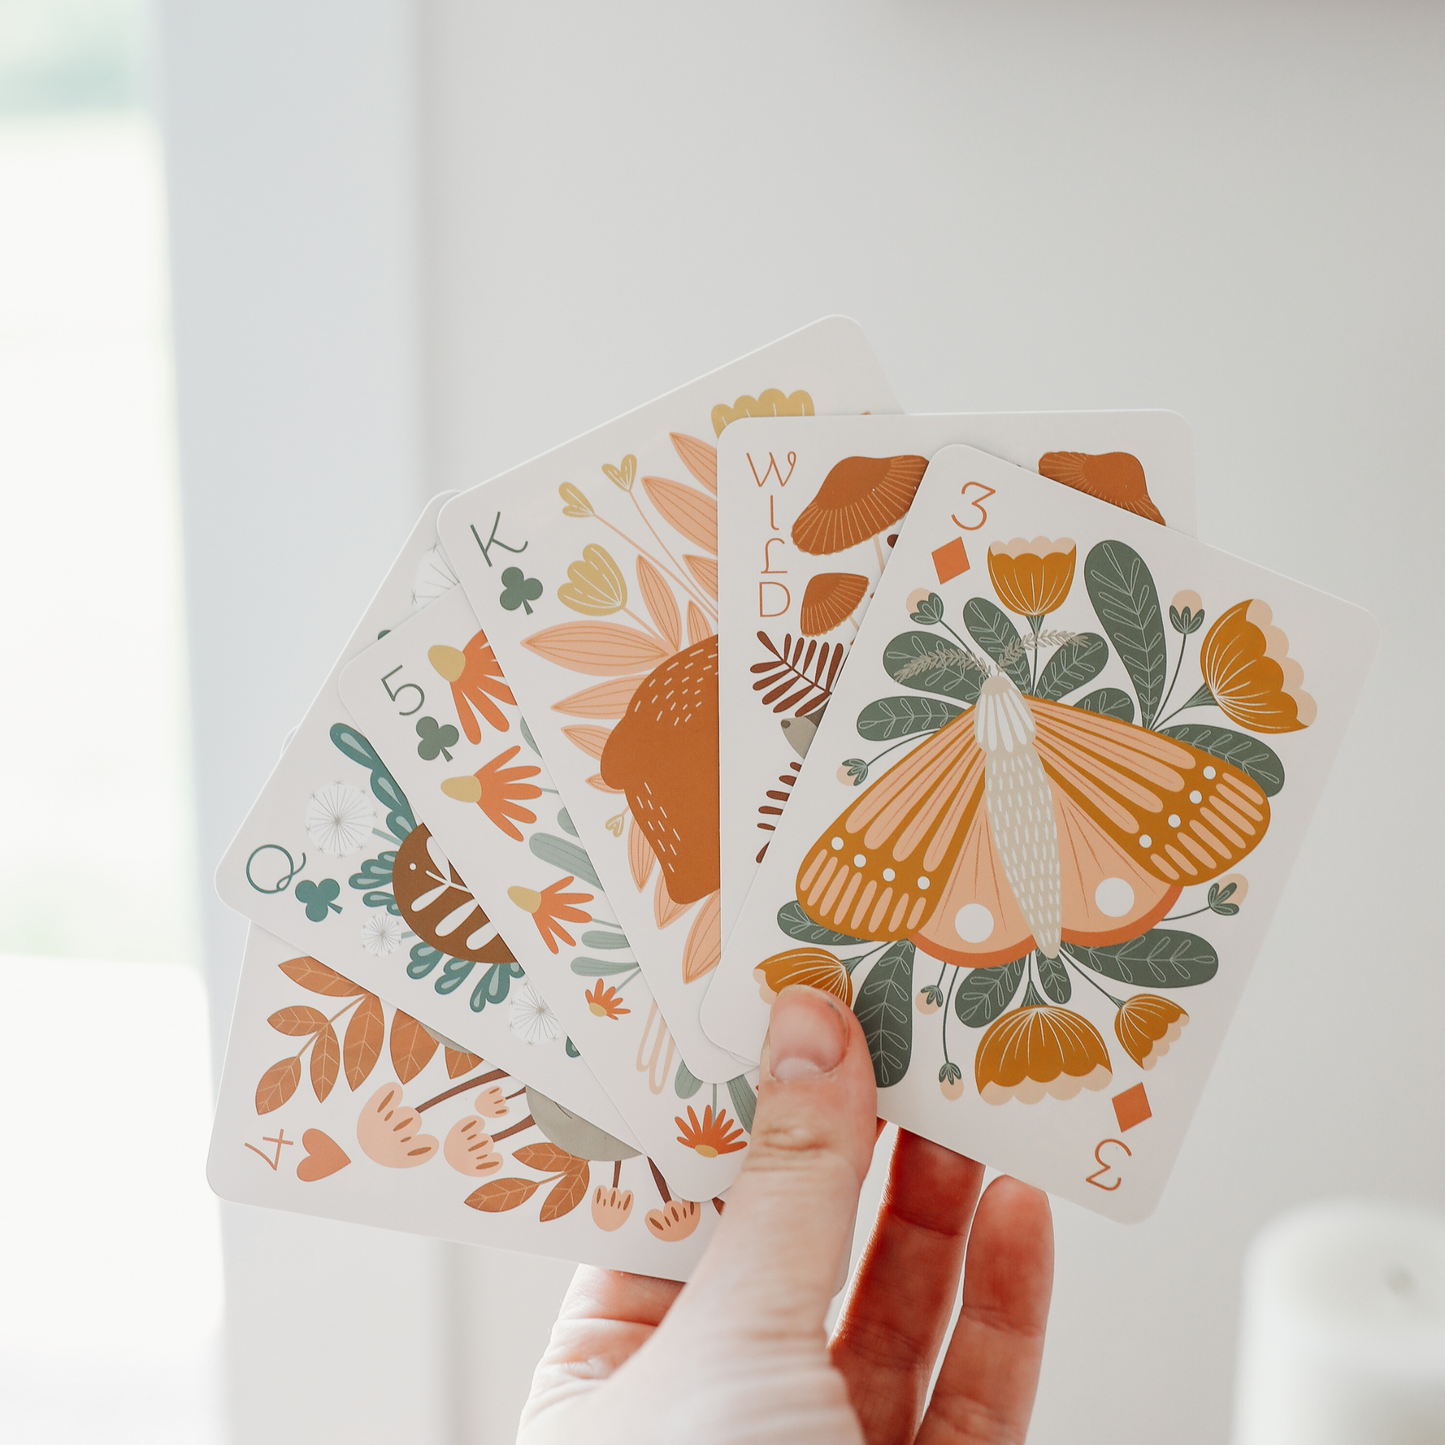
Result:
605,1002
815,967
1039,1049
610,1207
1248,670
713,1136
1032,577
498,791
1147,1025
551,908
476,678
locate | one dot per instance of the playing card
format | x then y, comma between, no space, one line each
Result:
330,858
472,771
334,1104
593,570
807,508
1045,822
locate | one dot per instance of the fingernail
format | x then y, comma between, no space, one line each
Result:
807,1035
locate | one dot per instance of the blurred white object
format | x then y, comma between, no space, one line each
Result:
1343,1338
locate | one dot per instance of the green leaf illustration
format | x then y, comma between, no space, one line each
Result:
1110,702
985,993
991,627
745,1102
565,823
885,1009
453,974
596,968
527,736
1249,755
899,717
796,924
375,875
597,938
350,743
569,857
932,664
684,1082
1122,590
1161,958
1219,899
424,958
495,985
1073,665
1054,977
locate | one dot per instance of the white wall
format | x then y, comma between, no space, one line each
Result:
1233,210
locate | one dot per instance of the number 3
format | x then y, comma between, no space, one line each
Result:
984,493
1104,1166
395,696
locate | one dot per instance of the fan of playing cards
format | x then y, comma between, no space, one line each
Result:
761,684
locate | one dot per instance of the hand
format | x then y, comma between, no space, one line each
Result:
739,1353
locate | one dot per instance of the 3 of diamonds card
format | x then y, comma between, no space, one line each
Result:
593,570
807,512
1045,822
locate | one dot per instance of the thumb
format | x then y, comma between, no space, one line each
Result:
788,1224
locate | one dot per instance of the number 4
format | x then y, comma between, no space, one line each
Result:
395,694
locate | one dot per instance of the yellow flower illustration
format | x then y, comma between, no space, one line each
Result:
595,586
815,967
1032,578
574,503
1248,670
1039,1049
1147,1025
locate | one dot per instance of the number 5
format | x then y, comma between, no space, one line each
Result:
395,696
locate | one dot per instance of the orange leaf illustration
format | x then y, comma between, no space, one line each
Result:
705,570
661,606
640,856
412,1047
502,1194
589,738
317,978
608,700
546,1158
664,910
364,1036
566,1194
325,1062
700,458
277,1084
691,512
704,940
299,1021
602,649
698,627
595,781
458,1062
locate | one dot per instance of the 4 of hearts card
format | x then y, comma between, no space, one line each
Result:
593,570
1045,822
399,1129
475,776
333,859
807,511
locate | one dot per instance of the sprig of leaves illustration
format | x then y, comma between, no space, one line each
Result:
798,675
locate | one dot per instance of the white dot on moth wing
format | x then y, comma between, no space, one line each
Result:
1196,796
923,883
1174,820
1209,772
1145,840
859,861
889,875
837,843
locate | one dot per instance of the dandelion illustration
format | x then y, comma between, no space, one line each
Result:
381,934
432,579
339,819
530,1016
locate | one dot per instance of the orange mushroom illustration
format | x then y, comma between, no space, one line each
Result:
829,600
1115,477
860,499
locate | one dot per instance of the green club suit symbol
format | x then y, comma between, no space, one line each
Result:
319,897
436,738
519,590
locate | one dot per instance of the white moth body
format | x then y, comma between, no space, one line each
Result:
1020,805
